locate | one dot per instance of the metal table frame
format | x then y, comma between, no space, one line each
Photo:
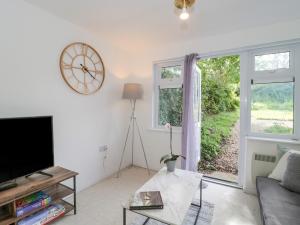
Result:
148,218
74,196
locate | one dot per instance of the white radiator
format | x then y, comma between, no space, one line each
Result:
262,165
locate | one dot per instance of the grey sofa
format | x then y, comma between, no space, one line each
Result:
278,205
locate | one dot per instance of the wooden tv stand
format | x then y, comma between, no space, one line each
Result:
50,185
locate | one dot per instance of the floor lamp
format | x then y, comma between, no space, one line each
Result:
133,91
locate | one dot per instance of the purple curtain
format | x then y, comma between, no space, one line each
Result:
191,113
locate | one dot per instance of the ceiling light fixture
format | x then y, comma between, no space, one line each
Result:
184,14
184,5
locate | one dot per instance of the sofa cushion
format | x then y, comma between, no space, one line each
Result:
280,168
291,178
279,206
281,150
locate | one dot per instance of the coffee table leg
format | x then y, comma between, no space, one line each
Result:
199,209
146,221
200,192
124,216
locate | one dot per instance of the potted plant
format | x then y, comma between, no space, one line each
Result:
170,159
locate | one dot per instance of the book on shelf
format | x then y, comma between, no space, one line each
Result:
146,200
61,214
30,198
42,201
57,211
44,216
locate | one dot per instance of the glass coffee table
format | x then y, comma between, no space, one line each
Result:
177,190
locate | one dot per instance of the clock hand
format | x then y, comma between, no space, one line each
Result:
80,68
86,69
91,75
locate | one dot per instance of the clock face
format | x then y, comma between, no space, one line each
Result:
82,68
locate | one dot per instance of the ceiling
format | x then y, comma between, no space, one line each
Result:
140,22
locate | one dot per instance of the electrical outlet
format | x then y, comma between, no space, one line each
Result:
103,148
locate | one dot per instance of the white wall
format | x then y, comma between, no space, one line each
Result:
31,41
156,142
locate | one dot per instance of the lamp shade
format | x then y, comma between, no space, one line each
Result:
132,91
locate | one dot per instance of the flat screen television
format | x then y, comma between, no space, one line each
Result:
26,146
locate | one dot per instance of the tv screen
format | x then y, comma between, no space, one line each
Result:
26,146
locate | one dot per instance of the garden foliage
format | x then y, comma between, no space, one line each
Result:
220,101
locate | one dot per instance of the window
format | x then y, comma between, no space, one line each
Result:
171,72
273,61
272,93
272,108
170,106
168,93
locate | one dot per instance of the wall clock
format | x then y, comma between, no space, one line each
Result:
82,68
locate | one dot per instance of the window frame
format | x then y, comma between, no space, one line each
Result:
268,51
273,76
160,83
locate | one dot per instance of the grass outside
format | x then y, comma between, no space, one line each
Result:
272,118
215,129
272,114
279,129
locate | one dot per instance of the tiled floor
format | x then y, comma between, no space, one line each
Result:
101,203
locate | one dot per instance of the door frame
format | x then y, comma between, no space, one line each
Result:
244,98
243,106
